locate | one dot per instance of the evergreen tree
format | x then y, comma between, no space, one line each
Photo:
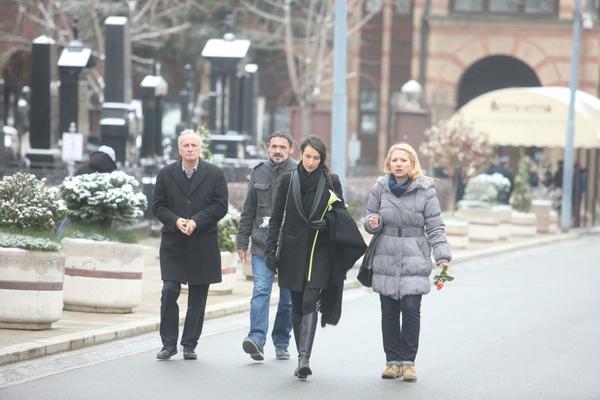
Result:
521,196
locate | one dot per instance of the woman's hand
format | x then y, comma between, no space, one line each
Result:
373,222
445,265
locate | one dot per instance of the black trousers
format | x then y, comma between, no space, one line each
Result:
401,341
169,314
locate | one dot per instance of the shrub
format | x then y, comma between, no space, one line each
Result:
28,203
102,198
206,139
228,227
27,242
485,190
521,196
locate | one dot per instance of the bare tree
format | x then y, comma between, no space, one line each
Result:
151,23
303,30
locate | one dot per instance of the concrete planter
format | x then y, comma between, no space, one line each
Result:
504,213
31,288
229,263
523,224
102,276
484,225
547,218
457,233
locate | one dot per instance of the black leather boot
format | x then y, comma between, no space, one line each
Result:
308,327
296,321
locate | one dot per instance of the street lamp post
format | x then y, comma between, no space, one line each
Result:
339,118
567,184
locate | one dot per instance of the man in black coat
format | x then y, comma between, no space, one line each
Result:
189,199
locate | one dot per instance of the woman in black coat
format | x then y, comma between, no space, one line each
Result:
304,260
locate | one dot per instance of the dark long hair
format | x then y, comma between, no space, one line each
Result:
316,143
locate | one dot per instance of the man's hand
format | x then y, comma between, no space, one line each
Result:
191,226
182,225
242,254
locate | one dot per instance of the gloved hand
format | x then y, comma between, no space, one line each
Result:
321,225
271,262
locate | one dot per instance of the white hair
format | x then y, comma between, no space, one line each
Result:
188,132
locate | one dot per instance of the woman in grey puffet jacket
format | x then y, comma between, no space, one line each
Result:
404,209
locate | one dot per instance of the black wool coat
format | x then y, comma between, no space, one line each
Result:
298,236
193,259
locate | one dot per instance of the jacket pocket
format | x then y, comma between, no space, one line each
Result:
262,194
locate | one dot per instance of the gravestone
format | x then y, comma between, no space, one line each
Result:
43,60
114,121
72,60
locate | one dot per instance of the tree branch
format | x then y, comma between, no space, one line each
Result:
163,32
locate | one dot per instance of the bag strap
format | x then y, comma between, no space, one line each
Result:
287,195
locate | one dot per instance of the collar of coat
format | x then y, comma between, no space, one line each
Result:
197,178
421,182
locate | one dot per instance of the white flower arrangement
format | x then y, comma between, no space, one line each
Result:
103,198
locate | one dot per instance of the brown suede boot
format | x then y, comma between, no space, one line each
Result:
392,372
409,373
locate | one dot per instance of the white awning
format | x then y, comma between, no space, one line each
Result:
533,117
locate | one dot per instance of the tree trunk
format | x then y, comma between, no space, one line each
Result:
305,120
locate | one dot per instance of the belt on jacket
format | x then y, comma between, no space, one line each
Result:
399,231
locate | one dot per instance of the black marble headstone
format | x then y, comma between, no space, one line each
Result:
43,60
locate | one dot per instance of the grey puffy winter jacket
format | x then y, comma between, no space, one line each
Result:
402,264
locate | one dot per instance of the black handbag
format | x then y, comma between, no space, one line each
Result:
365,273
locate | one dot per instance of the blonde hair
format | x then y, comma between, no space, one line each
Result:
415,169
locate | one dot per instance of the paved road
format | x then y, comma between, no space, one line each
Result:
523,325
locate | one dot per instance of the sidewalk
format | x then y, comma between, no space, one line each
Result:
78,329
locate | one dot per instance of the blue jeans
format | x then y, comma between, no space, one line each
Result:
259,307
400,341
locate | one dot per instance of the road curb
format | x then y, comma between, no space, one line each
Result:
75,341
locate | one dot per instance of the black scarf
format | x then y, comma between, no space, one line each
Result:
398,188
308,186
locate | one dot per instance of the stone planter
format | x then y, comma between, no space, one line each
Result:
102,276
484,225
523,224
504,213
547,218
229,263
457,233
31,288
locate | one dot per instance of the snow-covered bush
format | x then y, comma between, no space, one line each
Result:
27,203
485,190
14,240
228,227
102,198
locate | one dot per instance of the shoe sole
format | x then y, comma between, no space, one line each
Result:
165,358
282,357
409,380
251,348
390,376
194,357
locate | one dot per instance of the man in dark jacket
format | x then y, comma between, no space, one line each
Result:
190,198
254,223
102,160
